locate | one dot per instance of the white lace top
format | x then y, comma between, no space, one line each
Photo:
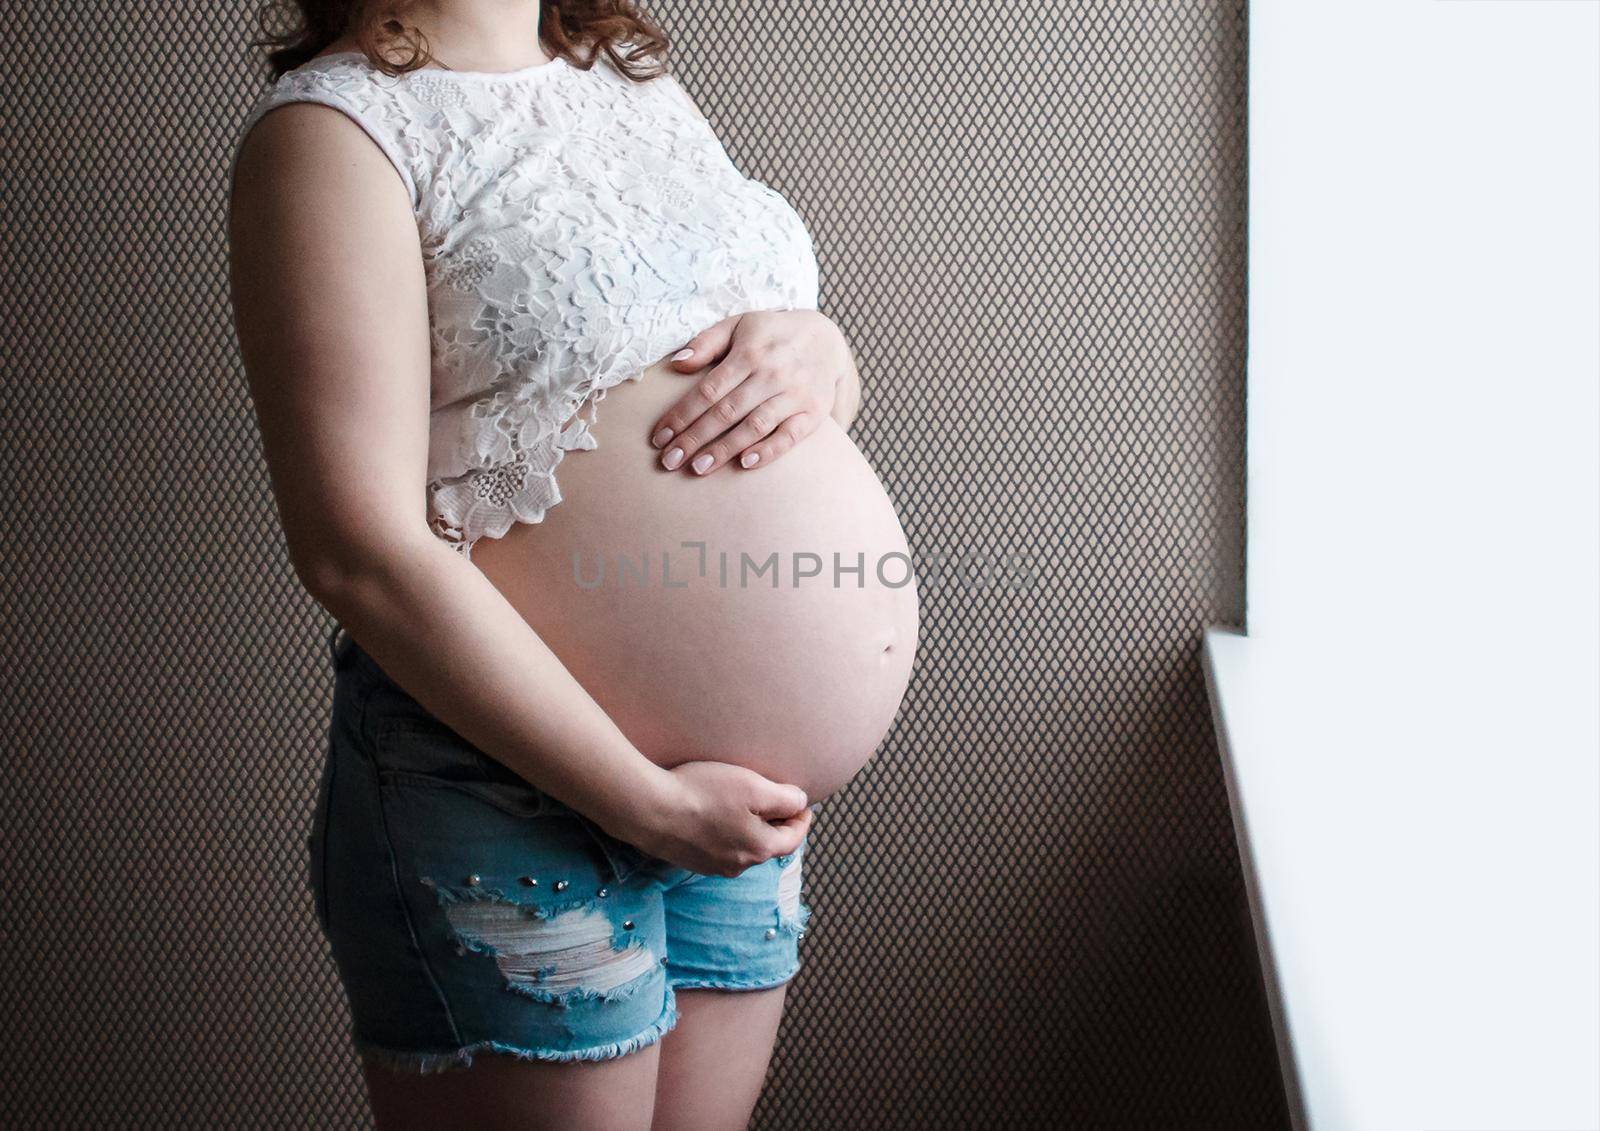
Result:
576,227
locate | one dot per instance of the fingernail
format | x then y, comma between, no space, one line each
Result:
702,463
749,459
661,437
686,351
672,459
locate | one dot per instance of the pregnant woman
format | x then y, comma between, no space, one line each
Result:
557,435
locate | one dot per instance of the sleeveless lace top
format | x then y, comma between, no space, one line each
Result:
575,228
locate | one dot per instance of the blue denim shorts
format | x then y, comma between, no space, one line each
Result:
468,911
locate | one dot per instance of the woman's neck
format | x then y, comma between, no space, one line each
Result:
480,35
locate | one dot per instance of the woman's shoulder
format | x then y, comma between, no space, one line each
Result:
345,81
345,72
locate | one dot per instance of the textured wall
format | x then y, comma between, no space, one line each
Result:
1030,221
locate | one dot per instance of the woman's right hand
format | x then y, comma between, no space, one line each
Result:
719,819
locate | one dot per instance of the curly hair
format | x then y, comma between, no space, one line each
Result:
579,31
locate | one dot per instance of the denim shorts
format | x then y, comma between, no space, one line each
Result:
468,911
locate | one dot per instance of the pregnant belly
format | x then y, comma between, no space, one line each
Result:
765,617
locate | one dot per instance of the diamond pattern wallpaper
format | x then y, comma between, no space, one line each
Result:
1027,910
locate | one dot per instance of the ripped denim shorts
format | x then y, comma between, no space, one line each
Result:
468,911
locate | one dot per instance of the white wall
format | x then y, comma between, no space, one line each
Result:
1424,552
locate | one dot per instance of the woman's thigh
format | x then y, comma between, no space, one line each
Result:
732,948
714,1062
527,1095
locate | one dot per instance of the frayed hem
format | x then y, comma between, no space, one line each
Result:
730,984
432,1062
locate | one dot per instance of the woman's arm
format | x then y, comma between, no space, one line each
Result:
331,311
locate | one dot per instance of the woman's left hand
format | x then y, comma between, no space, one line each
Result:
777,373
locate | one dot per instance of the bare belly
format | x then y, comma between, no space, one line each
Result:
751,648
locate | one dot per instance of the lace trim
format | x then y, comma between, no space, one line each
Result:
491,500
